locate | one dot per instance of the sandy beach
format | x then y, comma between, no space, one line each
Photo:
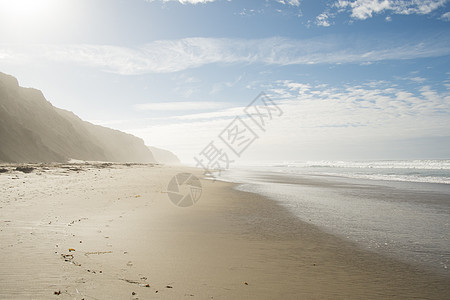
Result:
109,231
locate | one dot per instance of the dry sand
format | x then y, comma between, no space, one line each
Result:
131,242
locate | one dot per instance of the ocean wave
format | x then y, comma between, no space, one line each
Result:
395,177
377,164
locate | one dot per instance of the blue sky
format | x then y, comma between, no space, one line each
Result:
365,79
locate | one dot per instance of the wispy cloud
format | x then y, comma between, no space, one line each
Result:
218,114
286,2
364,9
290,2
319,115
180,106
165,56
218,87
417,79
446,17
184,1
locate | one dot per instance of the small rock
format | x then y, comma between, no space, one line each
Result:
133,293
57,293
169,286
25,169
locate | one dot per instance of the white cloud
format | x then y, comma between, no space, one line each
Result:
446,17
244,12
318,116
180,106
225,113
417,79
220,86
363,9
376,105
185,1
165,56
247,12
322,20
4,56
290,2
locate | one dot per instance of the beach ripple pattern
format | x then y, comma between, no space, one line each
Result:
184,189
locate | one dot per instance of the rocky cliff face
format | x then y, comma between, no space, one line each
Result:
33,130
164,156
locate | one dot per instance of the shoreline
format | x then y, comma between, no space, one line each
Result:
231,244
367,274
404,221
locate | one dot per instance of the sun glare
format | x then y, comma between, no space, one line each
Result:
25,18
26,9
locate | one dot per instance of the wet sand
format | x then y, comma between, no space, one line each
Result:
131,242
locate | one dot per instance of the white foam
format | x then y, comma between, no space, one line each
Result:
397,177
376,164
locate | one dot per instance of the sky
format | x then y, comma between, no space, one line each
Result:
340,80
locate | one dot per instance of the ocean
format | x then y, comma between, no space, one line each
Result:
396,208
